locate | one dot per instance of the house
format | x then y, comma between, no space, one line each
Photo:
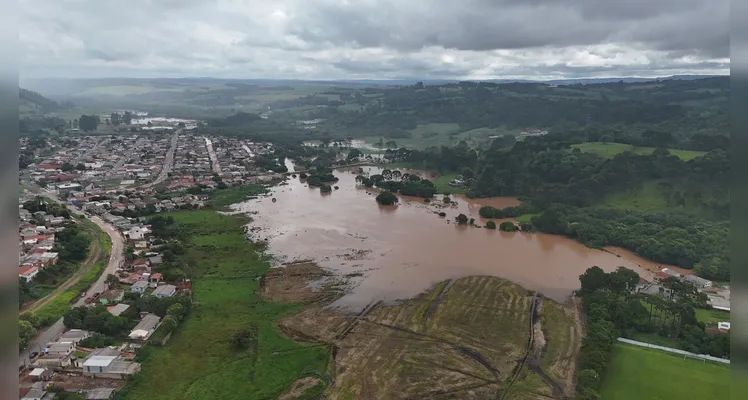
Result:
41,374
60,348
53,361
139,287
699,282
111,296
155,279
118,309
145,328
35,394
111,367
28,272
164,291
723,326
75,336
670,272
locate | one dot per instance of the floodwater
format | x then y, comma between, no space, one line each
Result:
289,164
396,252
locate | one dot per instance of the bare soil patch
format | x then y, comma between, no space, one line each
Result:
292,283
299,387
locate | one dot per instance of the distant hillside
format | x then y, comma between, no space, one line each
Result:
34,103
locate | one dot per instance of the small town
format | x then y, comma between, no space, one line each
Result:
119,181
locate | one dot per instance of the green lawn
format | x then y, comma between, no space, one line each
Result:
442,184
711,317
648,198
640,373
200,362
608,150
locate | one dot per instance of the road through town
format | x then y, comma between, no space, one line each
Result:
168,162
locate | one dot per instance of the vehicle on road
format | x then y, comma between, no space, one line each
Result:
33,355
88,300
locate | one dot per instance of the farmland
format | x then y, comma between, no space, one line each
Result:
466,338
639,373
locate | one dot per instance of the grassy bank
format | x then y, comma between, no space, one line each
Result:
200,361
101,243
639,373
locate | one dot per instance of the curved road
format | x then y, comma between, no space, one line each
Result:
116,258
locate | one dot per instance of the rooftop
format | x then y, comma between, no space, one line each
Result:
99,361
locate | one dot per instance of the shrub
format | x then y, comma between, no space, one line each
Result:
462,219
442,214
491,225
508,226
325,188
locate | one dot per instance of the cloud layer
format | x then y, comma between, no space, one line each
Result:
374,39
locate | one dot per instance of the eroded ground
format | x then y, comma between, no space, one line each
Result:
468,338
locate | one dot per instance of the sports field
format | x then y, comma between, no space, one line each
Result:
639,373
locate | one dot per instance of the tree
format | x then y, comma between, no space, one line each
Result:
111,281
88,123
354,154
67,167
127,118
508,226
325,188
176,310
491,225
26,332
588,379
32,318
386,198
592,279
462,219
169,323
80,167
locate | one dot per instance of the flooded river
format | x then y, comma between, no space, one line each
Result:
397,252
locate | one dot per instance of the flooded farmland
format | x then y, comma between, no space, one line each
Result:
396,252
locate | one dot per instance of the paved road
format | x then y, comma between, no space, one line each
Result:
168,162
116,258
212,155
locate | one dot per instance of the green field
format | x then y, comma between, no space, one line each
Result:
640,373
200,362
649,198
608,150
711,317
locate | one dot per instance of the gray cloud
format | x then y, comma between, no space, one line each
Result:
328,39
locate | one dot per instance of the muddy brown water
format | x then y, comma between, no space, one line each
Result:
397,252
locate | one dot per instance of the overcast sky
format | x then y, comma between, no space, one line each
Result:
373,39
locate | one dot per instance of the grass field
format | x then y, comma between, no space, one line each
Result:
608,150
200,362
639,373
712,317
648,198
